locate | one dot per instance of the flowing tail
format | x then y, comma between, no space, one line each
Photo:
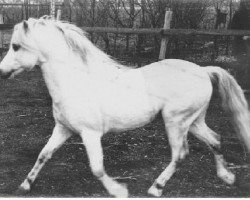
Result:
233,100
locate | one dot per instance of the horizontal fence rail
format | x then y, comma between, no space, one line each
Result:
4,27
155,31
167,32
212,32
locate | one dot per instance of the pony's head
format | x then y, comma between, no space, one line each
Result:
35,40
23,52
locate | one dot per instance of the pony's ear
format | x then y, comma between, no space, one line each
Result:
25,26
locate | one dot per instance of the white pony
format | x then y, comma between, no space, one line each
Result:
93,95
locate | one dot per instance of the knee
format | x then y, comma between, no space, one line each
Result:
99,173
44,157
217,149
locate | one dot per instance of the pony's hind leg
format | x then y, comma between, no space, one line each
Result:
92,141
177,136
212,140
58,137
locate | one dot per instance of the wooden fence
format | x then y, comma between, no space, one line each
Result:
163,32
156,31
213,33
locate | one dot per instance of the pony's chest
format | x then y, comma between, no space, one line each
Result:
77,113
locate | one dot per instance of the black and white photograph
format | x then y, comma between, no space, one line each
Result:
124,98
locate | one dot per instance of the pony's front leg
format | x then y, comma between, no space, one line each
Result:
59,136
92,142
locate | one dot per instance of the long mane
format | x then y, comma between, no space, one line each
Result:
77,40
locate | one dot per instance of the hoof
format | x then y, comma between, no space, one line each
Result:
154,191
228,178
120,191
21,191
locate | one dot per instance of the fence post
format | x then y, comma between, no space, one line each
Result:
52,9
1,36
165,39
59,14
1,33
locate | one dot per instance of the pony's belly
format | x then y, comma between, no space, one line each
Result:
117,117
128,110
128,121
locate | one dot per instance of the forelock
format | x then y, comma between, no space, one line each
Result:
21,32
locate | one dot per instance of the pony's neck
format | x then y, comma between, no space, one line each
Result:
100,63
64,75
61,75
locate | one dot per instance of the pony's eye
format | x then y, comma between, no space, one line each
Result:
16,47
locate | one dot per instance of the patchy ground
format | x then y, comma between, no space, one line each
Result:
135,157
